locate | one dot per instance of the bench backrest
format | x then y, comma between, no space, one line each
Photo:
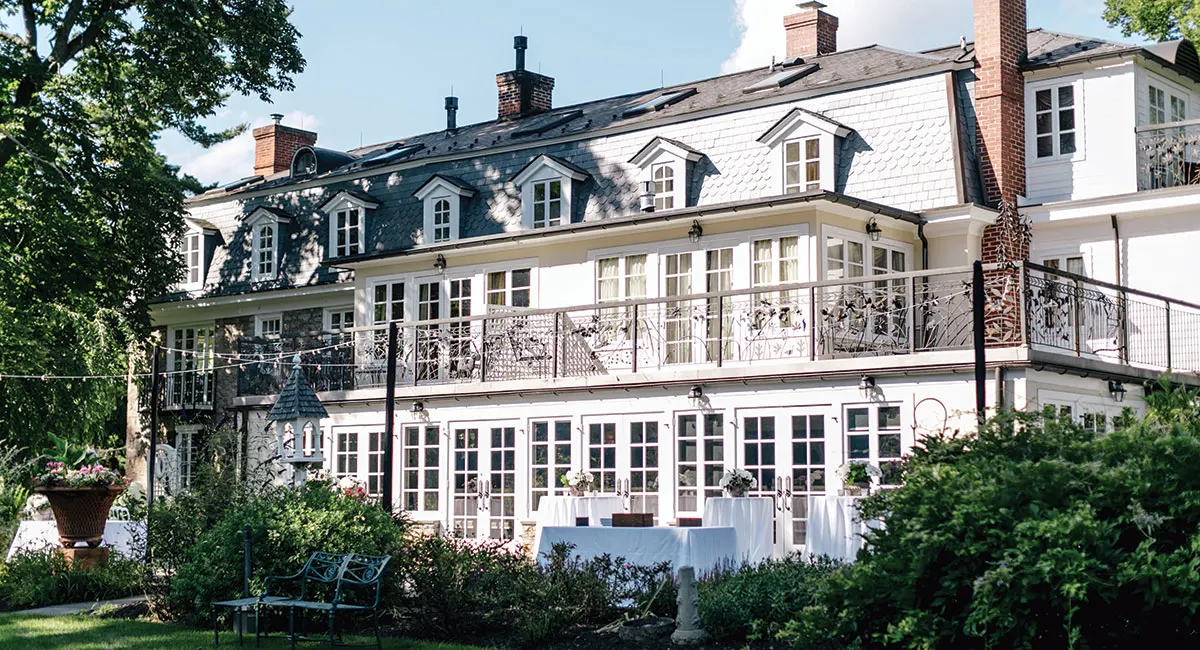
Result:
362,571
324,567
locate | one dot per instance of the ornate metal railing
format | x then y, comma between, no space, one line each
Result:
883,315
1168,154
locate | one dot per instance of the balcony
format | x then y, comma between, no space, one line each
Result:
186,389
759,330
1168,155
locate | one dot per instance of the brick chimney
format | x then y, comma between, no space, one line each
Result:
811,32
275,144
520,91
1000,47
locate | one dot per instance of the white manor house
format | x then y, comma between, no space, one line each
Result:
768,270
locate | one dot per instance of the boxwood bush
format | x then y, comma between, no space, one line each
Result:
757,601
45,578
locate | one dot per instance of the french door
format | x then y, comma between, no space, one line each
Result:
484,480
625,454
700,446
358,454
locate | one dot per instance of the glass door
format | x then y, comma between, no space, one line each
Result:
699,461
484,481
624,454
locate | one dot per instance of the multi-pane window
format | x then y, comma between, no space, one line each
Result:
801,165
345,455
643,467
663,175
268,327
844,258
890,315
1178,109
190,364
1054,119
460,357
466,507
618,279
388,302
502,504
441,220
550,460
602,454
375,463
1158,105
718,276
808,468
509,288
429,307
758,450
775,261
264,251
347,232
547,203
873,436
186,455
677,273
700,460
338,319
421,468
193,258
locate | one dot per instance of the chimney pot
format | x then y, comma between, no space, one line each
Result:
451,113
520,44
277,117
810,32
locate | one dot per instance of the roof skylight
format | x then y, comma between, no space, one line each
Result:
781,78
548,124
391,154
660,102
241,182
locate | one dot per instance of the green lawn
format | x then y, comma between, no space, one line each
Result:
90,633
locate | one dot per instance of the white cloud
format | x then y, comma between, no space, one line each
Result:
233,159
906,24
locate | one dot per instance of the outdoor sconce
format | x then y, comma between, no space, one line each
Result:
696,232
1117,390
873,229
866,384
440,262
646,198
696,392
417,407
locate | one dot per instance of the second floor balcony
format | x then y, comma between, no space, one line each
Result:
902,317
1168,155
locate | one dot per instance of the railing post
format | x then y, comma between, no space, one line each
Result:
1169,364
389,423
1123,326
483,351
635,338
416,353
912,315
1023,302
977,317
1077,315
557,327
812,323
720,331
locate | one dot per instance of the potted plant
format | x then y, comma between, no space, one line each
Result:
857,477
738,481
80,490
579,483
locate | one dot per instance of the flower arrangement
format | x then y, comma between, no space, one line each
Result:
57,474
351,488
579,482
858,474
738,481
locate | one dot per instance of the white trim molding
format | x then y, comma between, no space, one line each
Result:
355,208
543,171
799,127
442,200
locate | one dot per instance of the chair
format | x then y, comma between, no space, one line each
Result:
356,573
320,567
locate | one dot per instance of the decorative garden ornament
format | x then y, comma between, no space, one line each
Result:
297,415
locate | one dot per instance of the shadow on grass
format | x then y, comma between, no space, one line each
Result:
19,632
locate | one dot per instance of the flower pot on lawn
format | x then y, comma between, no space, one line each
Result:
80,512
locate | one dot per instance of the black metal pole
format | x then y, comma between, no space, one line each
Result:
246,561
977,307
155,394
389,423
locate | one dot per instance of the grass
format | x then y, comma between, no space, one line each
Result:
82,632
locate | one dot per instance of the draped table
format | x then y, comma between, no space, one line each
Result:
124,537
834,527
752,518
704,548
563,510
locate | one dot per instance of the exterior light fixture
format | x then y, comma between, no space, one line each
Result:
440,262
696,232
866,384
417,407
1117,390
646,198
873,229
696,392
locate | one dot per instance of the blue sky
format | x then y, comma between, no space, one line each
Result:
380,69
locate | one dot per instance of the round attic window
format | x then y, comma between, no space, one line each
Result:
304,163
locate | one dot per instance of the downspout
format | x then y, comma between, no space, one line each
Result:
1000,396
925,244
1116,248
1122,303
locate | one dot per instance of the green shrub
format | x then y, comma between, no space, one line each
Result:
1032,533
197,538
758,601
41,579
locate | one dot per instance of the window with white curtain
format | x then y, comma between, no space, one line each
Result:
775,262
677,276
510,288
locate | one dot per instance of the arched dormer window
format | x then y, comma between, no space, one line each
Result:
265,232
304,163
667,164
443,197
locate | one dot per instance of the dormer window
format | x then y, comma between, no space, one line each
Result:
304,163
443,197
348,222
803,144
666,164
546,188
265,225
196,247
193,258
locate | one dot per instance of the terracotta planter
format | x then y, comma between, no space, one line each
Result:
80,513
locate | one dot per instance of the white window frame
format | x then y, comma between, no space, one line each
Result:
260,322
545,169
335,318
874,431
487,292
264,259
1031,135
802,164
1175,101
439,189
190,369
257,220
828,231
1081,405
664,154
185,453
194,246
801,125
345,202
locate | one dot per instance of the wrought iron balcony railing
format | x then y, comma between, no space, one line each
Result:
884,315
1168,154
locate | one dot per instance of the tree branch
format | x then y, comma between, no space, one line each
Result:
13,38
90,33
63,35
30,15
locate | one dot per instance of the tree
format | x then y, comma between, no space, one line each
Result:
1160,20
89,211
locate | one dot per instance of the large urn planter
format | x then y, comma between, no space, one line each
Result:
80,513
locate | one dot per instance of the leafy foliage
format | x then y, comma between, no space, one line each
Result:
756,602
1159,20
41,579
1033,533
89,211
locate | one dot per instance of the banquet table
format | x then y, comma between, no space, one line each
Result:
834,527
752,518
563,510
122,536
704,548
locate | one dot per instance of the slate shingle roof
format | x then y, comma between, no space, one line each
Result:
297,400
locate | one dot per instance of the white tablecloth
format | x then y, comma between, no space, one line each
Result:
752,518
41,535
562,511
834,527
703,548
